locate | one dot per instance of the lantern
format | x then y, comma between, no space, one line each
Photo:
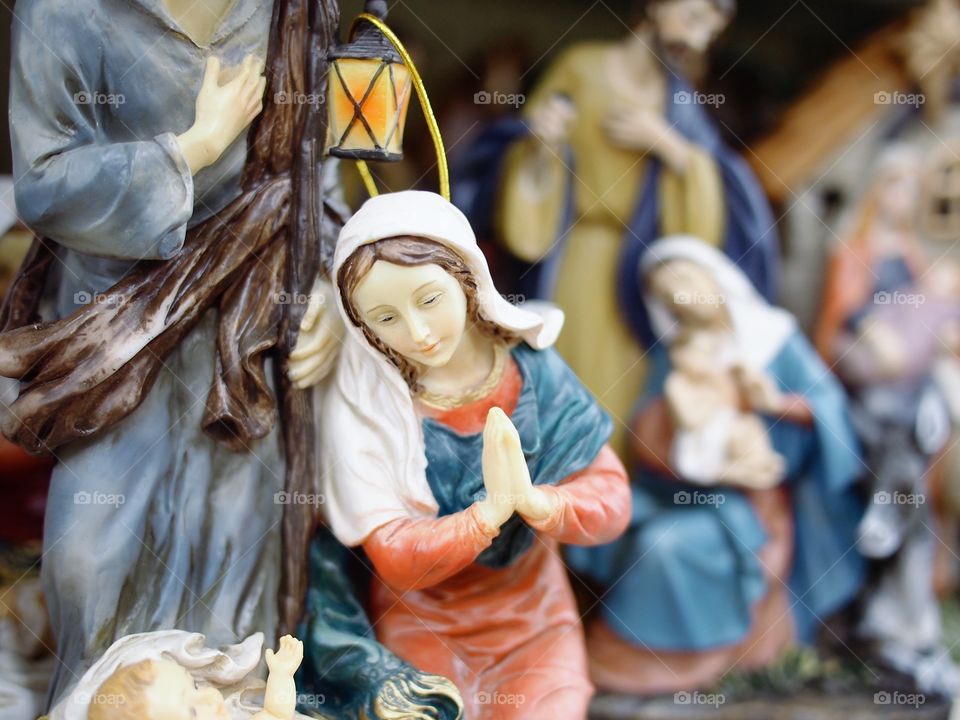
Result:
370,80
368,91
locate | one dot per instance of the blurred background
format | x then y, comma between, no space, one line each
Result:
810,92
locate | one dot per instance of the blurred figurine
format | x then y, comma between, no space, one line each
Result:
709,579
616,149
171,675
461,450
884,325
714,438
129,150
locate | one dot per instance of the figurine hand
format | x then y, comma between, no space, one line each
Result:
318,343
553,120
646,131
500,502
531,502
223,111
760,391
536,504
755,473
287,658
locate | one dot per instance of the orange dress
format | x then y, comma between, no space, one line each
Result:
510,638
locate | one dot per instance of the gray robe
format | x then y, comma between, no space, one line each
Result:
150,525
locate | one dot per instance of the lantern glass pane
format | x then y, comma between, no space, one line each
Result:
402,90
382,91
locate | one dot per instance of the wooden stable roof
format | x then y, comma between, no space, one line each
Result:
821,122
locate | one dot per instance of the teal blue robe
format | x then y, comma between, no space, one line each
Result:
562,430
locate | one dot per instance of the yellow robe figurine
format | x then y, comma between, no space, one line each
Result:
604,104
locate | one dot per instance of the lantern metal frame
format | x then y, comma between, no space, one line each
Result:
419,88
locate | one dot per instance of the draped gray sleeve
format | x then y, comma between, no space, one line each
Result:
128,200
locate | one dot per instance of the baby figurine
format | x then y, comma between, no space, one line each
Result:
162,689
715,440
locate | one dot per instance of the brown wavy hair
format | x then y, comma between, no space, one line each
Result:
411,251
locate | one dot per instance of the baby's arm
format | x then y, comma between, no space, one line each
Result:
682,400
280,697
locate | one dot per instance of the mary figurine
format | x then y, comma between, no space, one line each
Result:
461,450
709,578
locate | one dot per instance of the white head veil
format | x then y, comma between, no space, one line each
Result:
374,468
760,329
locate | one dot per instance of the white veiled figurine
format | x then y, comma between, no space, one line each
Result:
372,429
715,440
694,587
460,450
172,675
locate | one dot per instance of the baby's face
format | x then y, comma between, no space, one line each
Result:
174,695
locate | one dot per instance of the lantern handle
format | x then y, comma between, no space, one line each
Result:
424,105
